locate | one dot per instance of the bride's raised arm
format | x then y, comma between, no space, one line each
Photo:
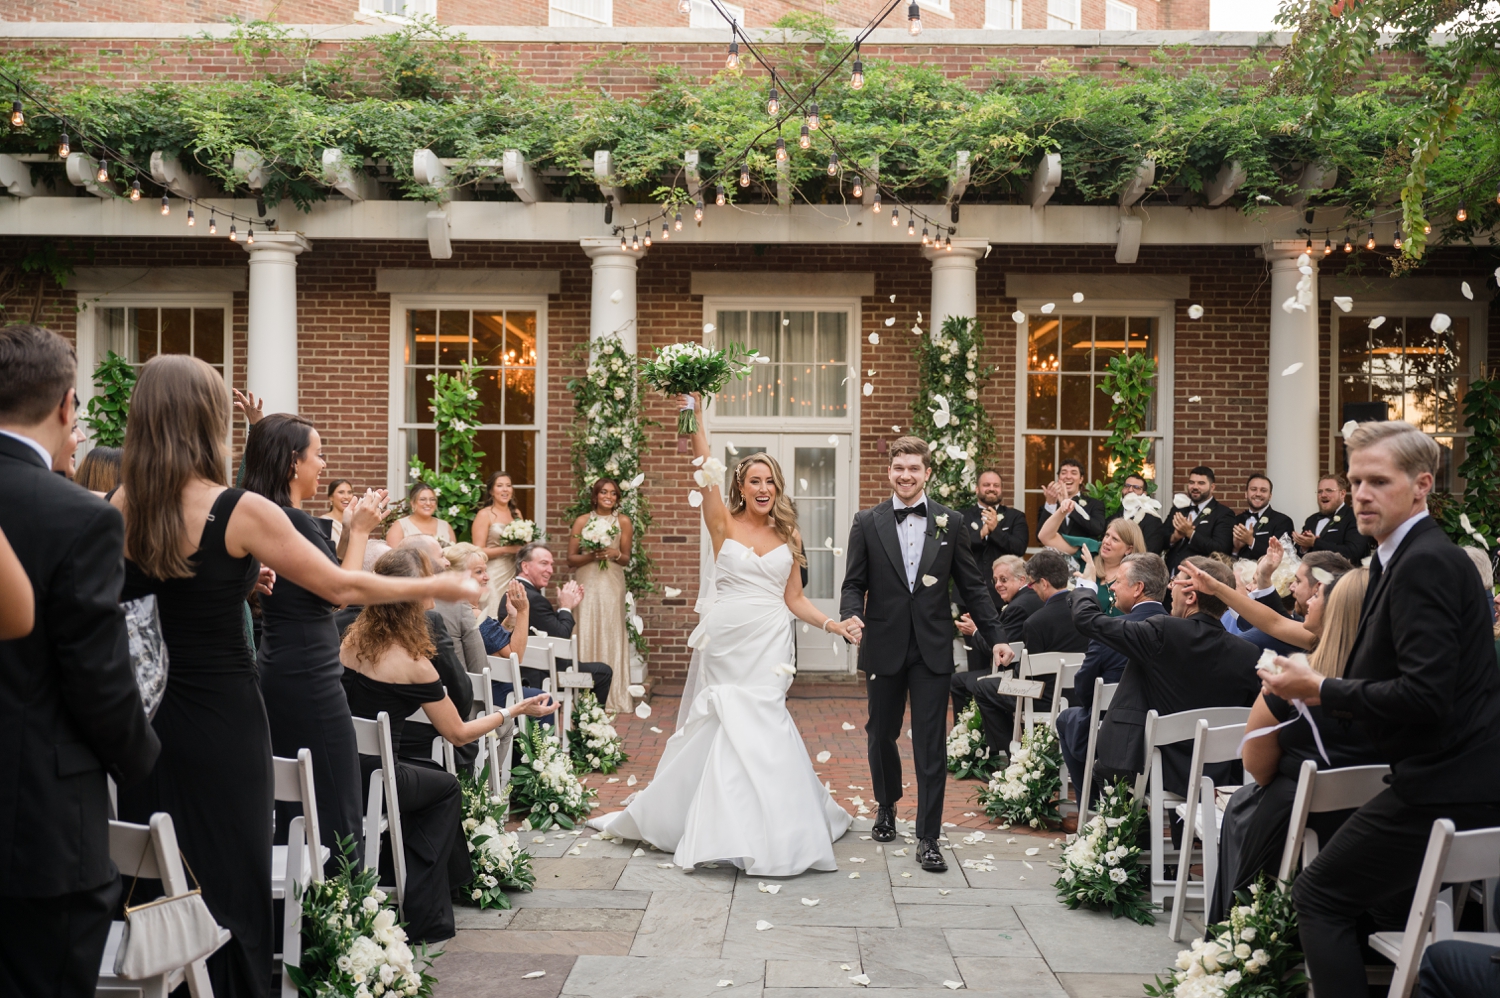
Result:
708,474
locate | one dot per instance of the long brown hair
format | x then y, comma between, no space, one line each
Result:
489,493
1342,600
381,625
179,419
783,513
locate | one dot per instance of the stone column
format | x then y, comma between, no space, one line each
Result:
612,306
953,280
1292,399
271,344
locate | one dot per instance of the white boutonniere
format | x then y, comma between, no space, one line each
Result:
1263,520
941,521
929,580
1336,519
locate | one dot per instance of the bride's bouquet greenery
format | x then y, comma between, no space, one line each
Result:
496,855
545,786
352,946
518,531
599,534
968,755
684,368
1101,864
1026,792
594,741
1252,955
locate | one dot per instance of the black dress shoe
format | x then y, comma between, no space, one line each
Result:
930,857
884,829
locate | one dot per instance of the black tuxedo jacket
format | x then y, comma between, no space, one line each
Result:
544,616
1078,526
1010,536
1012,624
875,590
1214,532
1051,628
1157,533
1103,662
1422,676
1341,535
1270,523
1173,664
70,710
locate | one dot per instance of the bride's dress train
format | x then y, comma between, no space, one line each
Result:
734,783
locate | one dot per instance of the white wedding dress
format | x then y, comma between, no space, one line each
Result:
735,784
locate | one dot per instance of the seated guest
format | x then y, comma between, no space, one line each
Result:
1049,629
1174,662
1138,588
1087,518
1121,537
1259,522
1265,595
387,667
1204,526
534,568
1333,527
1453,968
1019,602
1153,529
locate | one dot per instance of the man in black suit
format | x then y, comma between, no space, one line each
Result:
1018,601
1421,678
1087,518
902,557
1152,528
534,567
70,710
1173,663
1204,526
994,528
1333,527
1255,527
1048,629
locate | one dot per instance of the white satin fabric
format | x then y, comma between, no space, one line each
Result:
735,783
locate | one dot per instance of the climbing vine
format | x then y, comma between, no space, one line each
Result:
114,380
1130,382
1474,518
455,476
946,412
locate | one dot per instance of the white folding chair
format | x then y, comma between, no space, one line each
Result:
1452,858
569,679
1104,695
383,805
484,695
1319,791
1019,647
509,670
1039,666
1201,817
301,860
1065,678
1170,730
150,851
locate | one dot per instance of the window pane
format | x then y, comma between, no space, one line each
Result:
799,328
1039,462
421,337
1447,479
1104,404
1387,345
765,334
1076,389
491,402
1076,448
1042,343
733,461
1041,401
521,456
520,338
1109,339
833,337
1077,342
453,338
489,338
520,395
113,334
208,335
1393,392
735,400
145,334
422,444
176,330
1143,335
418,396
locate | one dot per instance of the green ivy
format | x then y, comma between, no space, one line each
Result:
1480,503
455,411
114,380
946,412
1130,382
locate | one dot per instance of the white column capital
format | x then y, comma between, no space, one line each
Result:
612,297
965,253
1282,253
954,279
271,336
273,243
607,250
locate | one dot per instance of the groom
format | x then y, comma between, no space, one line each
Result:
901,556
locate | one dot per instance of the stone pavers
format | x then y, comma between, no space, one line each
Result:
605,924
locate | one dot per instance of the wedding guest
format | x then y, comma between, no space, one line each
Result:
1019,602
69,704
1087,518
1202,527
1153,530
1333,527
1302,588
602,636
1453,968
1259,522
387,659
422,519
995,529
1422,680
496,511
65,461
462,619
534,567
99,471
1121,538
340,495
195,544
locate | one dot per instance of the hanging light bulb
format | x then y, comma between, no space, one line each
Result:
814,120
698,212
859,189
948,242
647,241
17,116
1327,246
876,206
677,222
191,220
624,243
62,147
895,217
1309,248
926,239
833,164
666,231
135,190
250,234
213,224
684,6
911,226
1462,214
780,149
1348,246
857,77
914,18
719,195
166,205
1370,240
103,174
744,174
804,140
234,236
1396,241
635,241
732,60
1426,228
773,103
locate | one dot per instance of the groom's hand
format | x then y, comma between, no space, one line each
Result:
856,628
1004,655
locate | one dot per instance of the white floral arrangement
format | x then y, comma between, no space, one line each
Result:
496,856
1100,866
599,534
545,785
684,368
1251,955
595,743
968,753
946,411
518,531
1286,572
1026,792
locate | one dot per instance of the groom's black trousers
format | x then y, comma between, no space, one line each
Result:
888,694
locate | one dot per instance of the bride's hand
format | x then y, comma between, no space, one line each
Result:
843,629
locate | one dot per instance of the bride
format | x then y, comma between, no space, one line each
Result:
735,783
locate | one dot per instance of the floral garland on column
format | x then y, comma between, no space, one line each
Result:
455,412
607,443
946,412
1130,382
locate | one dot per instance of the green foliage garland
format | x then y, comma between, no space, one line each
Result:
1130,381
1252,954
455,411
1100,866
1475,520
495,855
946,412
114,380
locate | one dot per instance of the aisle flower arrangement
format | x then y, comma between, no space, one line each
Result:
594,742
968,754
544,787
352,945
684,368
1100,867
946,411
1026,792
1251,955
496,855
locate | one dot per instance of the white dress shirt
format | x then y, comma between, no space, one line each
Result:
1387,548
912,533
41,451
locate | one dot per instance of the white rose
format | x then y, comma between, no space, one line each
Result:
1232,978
1248,934
1118,875
1242,951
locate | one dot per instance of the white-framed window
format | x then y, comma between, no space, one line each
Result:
580,13
1064,15
399,8
505,336
703,15
813,377
1062,412
942,7
1118,16
1002,15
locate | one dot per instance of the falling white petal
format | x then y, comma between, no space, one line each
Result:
1348,428
1468,291
833,439
635,482
616,297
643,711
847,726
893,299
1195,398
1018,316
695,498
785,669
823,756
708,327
1195,311
1293,369
891,321
1441,322
1047,308
762,359
802,482
1377,322
533,975
671,593
697,461
1344,302
868,389
895,429
874,339
786,322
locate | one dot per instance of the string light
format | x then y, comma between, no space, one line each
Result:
911,225
135,190
926,239
833,164
718,196
666,232
859,189
857,77
1327,247
1426,228
877,201
62,146
1396,242
1462,214
213,223
1370,240
1309,248
102,175
234,237
677,222
773,103
732,60
804,139
191,220
948,242
814,120
635,241
698,212
166,205
17,115
914,19
624,244
647,241
745,174
250,235
1348,246
780,149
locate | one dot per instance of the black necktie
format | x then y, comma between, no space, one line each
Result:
920,509
1375,569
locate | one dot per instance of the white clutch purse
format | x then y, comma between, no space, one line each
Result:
165,934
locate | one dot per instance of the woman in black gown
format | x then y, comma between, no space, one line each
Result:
195,544
386,652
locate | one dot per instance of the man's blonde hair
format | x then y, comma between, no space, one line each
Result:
1414,451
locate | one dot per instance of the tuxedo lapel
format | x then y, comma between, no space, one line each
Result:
885,525
929,541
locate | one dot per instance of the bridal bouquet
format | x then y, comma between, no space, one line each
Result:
496,855
518,531
683,368
1252,955
1026,793
599,535
545,785
968,755
595,744
352,946
1101,864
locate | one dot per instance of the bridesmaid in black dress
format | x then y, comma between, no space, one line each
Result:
195,544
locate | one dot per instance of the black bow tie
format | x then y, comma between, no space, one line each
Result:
920,509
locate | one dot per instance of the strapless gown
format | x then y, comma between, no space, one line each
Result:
735,783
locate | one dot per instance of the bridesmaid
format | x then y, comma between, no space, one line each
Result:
423,518
601,632
499,508
340,494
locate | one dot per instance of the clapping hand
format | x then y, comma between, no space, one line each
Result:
570,595
365,514
1304,539
1244,537
1090,570
1268,563
1182,526
252,407
988,521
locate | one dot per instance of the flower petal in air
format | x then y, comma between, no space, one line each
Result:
847,726
1347,429
1195,311
1440,322
1467,291
1377,322
1077,297
868,389
890,321
695,498
1293,369
1195,398
708,327
874,339
1344,302
824,756
671,593
1047,308
893,299
1018,317
1181,501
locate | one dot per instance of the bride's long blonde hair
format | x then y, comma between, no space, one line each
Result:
783,513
